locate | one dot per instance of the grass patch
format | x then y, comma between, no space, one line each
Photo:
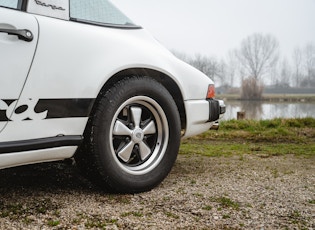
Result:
226,202
226,216
295,217
171,215
53,223
28,212
229,148
134,213
93,221
207,207
311,201
15,211
265,137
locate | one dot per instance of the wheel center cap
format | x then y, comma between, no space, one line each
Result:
137,135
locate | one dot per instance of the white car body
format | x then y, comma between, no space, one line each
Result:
48,85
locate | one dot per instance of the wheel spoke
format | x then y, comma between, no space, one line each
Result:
121,129
125,153
150,128
145,151
136,115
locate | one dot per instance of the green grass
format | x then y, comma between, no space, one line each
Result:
92,221
207,207
265,137
226,202
133,213
53,223
27,211
171,215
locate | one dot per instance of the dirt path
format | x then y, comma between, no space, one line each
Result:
237,192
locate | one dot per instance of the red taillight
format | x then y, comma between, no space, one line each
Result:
211,92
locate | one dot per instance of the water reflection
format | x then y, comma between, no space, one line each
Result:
267,110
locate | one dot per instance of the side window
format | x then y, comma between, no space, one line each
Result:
9,3
99,12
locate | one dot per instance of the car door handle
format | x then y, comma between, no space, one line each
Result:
24,35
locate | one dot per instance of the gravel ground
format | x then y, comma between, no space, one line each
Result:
236,192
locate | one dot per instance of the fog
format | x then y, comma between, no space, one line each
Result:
213,27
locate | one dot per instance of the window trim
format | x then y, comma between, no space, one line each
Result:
109,25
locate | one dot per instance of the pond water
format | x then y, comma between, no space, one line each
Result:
268,110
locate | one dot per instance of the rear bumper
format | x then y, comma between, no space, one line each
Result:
201,115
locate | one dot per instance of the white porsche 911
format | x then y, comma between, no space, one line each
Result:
79,79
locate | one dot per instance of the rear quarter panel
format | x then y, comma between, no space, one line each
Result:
74,60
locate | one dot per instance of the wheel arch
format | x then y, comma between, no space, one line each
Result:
133,164
160,77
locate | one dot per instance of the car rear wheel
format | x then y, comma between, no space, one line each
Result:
133,137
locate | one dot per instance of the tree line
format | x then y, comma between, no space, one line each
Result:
256,63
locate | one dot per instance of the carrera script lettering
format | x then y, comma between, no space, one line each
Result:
49,5
28,113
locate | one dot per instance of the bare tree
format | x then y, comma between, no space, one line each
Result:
210,66
298,66
222,72
310,64
257,55
274,74
204,64
232,67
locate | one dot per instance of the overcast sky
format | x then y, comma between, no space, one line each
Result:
213,27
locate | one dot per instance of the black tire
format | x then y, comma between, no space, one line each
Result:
133,137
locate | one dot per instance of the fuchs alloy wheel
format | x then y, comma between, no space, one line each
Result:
133,137
139,135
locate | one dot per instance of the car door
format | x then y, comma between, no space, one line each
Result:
18,41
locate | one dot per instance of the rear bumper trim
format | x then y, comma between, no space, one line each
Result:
216,109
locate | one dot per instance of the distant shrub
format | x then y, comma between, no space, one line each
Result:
252,89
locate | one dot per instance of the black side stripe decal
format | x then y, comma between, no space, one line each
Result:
3,116
62,108
55,108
